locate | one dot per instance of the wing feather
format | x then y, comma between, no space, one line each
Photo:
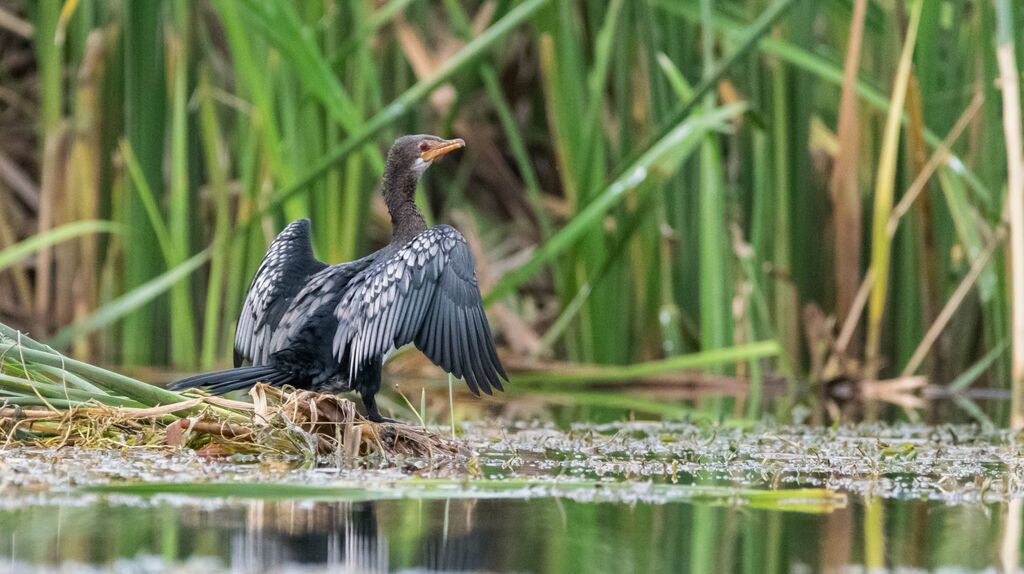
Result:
484,359
285,268
472,353
455,343
424,293
434,348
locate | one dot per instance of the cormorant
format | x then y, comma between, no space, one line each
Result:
330,328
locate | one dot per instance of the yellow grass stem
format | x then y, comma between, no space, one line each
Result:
881,244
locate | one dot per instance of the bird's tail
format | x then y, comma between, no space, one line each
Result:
220,382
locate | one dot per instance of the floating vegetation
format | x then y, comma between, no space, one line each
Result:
50,400
622,462
953,464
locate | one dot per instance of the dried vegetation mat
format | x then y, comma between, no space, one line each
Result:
287,422
52,400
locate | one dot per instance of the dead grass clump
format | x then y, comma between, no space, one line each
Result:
279,421
290,421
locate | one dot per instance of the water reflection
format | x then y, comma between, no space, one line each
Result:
343,536
254,536
347,537
920,499
540,535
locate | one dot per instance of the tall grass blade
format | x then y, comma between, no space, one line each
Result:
845,182
1006,55
144,124
402,104
659,161
884,185
702,360
715,282
117,309
15,253
749,40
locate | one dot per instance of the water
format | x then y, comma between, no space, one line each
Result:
601,498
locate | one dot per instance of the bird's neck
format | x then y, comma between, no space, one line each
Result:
406,219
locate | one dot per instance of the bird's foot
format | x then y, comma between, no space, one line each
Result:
383,420
373,414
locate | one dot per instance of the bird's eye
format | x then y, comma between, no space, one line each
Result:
424,146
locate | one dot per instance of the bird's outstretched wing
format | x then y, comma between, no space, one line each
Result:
425,293
287,266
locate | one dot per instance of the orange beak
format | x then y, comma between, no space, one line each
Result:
438,149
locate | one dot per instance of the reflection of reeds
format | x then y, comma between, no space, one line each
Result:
343,536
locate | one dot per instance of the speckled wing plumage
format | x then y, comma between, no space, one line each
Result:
287,266
314,305
424,293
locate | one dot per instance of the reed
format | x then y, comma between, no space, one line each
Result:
1010,82
649,179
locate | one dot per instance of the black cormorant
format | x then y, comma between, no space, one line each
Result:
330,328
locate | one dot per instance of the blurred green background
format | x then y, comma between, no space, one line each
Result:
808,193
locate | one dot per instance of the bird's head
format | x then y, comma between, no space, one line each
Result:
416,153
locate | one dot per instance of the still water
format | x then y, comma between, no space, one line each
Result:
543,535
906,499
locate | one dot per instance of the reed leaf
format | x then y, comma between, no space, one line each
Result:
884,185
659,162
13,254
